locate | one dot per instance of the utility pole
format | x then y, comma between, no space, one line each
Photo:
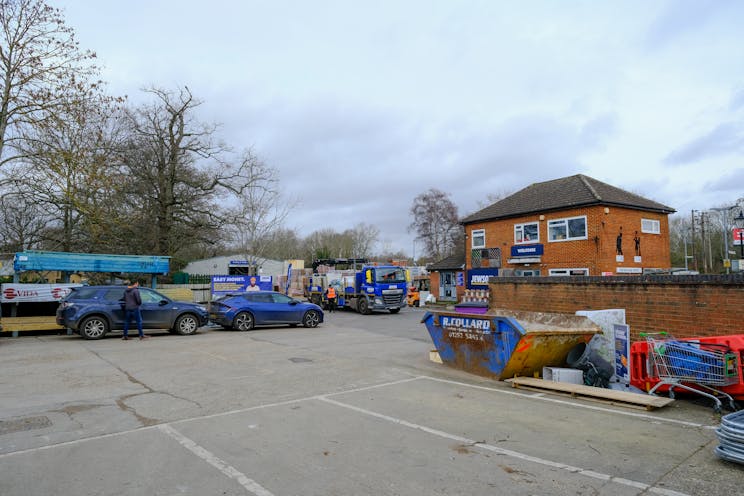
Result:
702,242
692,242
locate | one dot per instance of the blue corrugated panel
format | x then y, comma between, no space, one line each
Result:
90,262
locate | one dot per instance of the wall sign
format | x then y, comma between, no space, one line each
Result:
478,278
527,250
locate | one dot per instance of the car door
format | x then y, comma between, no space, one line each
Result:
156,314
263,308
284,308
113,302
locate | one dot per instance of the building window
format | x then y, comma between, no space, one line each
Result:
568,272
528,273
567,229
486,257
526,233
650,226
479,238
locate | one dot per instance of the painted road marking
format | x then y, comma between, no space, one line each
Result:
249,484
540,397
514,454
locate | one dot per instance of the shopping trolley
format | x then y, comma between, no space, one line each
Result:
693,366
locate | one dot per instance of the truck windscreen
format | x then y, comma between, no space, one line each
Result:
390,275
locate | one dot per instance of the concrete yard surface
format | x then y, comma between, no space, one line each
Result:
353,407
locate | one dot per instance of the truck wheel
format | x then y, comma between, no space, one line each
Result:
394,310
363,306
315,299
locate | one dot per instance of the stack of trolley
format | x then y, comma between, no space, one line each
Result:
698,367
731,436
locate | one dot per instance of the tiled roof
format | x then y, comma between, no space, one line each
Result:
453,262
564,193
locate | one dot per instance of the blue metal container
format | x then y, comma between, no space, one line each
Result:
507,343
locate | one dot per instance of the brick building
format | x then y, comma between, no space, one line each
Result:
575,225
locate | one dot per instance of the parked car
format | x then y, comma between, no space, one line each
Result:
92,311
244,311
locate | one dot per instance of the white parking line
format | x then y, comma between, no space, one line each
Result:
514,454
249,484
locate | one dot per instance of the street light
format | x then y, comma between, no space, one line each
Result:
739,220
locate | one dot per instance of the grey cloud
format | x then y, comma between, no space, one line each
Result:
725,138
678,18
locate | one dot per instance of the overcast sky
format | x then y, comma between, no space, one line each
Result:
361,106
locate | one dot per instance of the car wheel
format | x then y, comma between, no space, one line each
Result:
311,319
93,327
186,324
363,306
394,310
243,321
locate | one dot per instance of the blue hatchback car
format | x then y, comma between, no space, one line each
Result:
243,311
92,311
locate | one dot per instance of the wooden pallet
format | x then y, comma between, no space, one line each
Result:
177,294
611,396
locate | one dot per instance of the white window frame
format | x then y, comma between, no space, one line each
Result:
564,221
653,228
520,228
478,234
567,272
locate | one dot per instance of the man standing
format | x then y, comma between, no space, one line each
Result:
331,296
132,303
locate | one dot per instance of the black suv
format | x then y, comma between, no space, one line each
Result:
92,311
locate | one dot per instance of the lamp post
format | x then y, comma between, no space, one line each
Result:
739,220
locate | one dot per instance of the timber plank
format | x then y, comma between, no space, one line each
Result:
16,324
593,393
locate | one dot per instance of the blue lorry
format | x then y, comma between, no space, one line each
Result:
362,287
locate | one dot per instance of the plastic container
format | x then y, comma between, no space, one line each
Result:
503,343
558,374
644,376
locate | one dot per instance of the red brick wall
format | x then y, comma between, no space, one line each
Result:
685,306
597,252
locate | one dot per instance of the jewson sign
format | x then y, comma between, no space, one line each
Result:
478,278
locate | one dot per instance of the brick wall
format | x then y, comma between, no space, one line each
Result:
685,306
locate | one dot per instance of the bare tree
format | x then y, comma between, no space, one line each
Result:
178,174
363,237
261,210
435,222
42,69
67,169
22,222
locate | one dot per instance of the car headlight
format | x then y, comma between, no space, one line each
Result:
378,301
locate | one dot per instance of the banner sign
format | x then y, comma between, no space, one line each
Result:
222,285
18,293
622,352
527,250
478,278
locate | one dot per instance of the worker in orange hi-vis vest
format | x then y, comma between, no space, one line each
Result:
331,297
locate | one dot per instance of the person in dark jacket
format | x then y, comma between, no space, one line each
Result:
132,303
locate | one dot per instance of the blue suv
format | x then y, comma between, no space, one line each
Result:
92,311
